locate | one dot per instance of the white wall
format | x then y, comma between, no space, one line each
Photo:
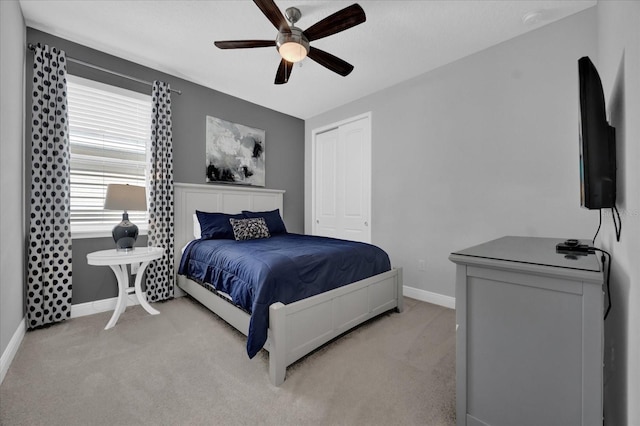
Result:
484,147
619,68
12,57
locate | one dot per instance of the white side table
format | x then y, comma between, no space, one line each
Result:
118,261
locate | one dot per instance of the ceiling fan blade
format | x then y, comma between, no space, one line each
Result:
244,44
272,12
284,72
331,62
339,21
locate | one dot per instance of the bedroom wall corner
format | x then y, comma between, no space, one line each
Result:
619,68
12,232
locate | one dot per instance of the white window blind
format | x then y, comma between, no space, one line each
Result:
109,128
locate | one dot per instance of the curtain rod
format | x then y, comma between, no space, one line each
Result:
32,47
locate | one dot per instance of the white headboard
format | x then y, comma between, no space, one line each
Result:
190,197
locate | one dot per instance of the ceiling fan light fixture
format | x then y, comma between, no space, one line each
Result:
293,46
292,52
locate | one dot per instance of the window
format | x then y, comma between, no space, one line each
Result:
109,128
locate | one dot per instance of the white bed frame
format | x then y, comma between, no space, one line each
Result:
298,328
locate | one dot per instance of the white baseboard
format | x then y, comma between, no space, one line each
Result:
430,297
97,306
12,348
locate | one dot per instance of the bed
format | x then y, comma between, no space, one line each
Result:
294,329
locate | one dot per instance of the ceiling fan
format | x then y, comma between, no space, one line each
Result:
293,43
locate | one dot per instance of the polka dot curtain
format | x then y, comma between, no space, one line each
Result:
49,250
160,277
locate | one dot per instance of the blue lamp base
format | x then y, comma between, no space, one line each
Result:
125,234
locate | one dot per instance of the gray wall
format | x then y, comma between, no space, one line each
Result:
481,148
12,57
619,67
488,146
284,148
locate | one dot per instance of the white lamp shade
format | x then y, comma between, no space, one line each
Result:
125,197
292,51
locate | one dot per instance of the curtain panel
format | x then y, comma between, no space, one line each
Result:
49,264
160,277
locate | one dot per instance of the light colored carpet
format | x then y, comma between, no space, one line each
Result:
187,367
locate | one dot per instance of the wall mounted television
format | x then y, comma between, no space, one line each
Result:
597,142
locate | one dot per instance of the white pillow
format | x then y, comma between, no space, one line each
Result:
196,227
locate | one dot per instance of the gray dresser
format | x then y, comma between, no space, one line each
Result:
529,344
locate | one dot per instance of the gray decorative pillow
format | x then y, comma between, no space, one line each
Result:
249,229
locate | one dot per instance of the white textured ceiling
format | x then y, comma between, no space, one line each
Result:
399,40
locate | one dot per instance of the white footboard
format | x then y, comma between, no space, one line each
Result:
298,328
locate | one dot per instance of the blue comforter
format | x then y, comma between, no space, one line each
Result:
284,268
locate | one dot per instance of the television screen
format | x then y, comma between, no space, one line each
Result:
597,142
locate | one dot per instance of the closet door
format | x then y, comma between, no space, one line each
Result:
355,187
327,221
342,190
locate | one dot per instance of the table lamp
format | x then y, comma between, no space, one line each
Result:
125,197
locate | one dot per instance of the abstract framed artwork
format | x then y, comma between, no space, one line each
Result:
234,153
